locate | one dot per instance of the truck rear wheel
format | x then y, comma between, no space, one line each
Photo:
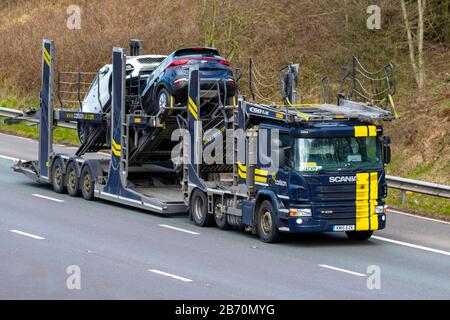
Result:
199,209
58,176
72,181
359,235
87,183
266,223
219,216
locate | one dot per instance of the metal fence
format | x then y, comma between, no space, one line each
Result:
428,188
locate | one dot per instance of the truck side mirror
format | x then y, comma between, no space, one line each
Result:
386,149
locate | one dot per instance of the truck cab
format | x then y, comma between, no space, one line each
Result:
330,176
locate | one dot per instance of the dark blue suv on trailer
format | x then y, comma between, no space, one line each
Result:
170,79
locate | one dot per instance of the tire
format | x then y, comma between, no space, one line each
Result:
359,235
163,99
58,176
199,209
72,180
87,183
266,225
83,132
219,216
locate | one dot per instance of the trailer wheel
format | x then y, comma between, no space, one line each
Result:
84,130
359,235
72,181
58,176
199,209
219,216
87,183
266,225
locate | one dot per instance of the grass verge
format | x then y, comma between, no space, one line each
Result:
420,202
23,129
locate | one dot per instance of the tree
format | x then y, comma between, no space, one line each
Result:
417,60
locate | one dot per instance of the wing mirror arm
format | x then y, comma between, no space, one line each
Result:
386,141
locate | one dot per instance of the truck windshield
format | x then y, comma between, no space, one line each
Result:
337,154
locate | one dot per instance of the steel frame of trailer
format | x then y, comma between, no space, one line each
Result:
115,189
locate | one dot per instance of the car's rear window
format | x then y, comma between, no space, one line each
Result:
194,51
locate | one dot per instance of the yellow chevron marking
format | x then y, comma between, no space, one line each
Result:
47,61
193,112
258,178
47,57
258,171
46,54
192,104
366,201
115,145
116,152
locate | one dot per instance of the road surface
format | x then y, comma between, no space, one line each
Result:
124,253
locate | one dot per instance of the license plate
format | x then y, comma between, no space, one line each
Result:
350,227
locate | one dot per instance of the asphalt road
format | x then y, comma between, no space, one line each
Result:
124,253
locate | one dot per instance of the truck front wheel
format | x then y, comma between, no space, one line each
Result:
199,209
359,235
266,223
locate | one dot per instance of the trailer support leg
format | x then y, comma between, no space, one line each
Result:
46,104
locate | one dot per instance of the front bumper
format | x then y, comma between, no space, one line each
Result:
311,224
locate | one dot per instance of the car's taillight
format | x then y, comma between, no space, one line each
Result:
185,61
178,63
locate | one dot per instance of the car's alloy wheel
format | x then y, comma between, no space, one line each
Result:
163,99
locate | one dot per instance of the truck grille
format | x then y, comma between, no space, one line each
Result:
338,192
149,60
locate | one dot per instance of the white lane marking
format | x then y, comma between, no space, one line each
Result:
170,275
417,216
178,229
8,158
342,270
48,198
411,245
27,234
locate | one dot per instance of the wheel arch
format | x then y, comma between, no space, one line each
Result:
95,167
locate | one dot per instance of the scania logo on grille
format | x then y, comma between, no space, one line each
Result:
342,179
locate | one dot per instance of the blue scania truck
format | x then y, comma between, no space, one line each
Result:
276,169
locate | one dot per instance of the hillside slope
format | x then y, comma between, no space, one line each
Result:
320,35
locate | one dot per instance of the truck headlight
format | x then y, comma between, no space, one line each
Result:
300,212
379,209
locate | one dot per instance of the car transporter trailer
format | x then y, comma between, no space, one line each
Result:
240,193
